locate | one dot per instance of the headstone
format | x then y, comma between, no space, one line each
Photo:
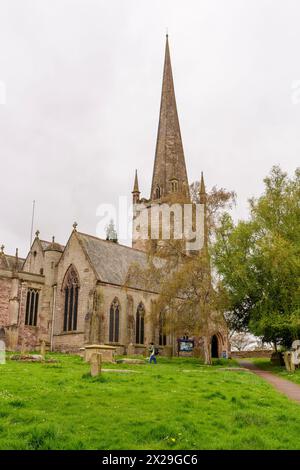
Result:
43,349
95,362
296,353
168,351
2,352
23,347
290,367
82,353
108,352
277,359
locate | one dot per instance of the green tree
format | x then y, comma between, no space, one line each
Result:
259,262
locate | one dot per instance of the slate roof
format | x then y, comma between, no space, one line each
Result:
45,244
49,245
110,260
8,262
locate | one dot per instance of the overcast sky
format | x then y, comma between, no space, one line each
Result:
83,83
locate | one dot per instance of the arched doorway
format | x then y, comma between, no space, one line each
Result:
214,346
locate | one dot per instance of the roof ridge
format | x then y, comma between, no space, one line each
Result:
46,241
110,241
13,256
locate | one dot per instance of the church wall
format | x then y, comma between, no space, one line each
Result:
29,336
73,255
5,288
129,300
68,342
35,260
13,292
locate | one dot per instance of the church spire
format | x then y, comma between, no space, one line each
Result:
169,173
136,191
136,183
202,192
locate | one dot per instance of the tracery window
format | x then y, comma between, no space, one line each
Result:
32,305
114,321
140,324
71,293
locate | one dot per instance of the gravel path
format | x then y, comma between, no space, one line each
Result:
290,389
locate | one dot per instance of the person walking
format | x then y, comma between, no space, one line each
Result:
152,350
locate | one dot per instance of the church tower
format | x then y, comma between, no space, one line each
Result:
169,180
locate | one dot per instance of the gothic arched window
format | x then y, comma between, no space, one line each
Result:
162,330
114,321
71,292
32,305
157,192
140,324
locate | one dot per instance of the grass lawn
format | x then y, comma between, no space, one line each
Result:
266,364
176,404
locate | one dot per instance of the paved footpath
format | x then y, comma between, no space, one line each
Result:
290,389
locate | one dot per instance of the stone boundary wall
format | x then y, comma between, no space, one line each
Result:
257,353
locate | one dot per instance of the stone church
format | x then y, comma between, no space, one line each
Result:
73,295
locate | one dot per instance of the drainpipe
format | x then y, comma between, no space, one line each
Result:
53,313
20,303
18,319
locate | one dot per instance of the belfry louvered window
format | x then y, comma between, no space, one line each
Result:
114,321
174,186
140,324
71,291
32,306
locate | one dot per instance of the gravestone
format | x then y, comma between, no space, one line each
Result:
23,347
108,352
43,349
292,358
168,351
82,353
95,362
277,359
296,353
2,352
289,364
